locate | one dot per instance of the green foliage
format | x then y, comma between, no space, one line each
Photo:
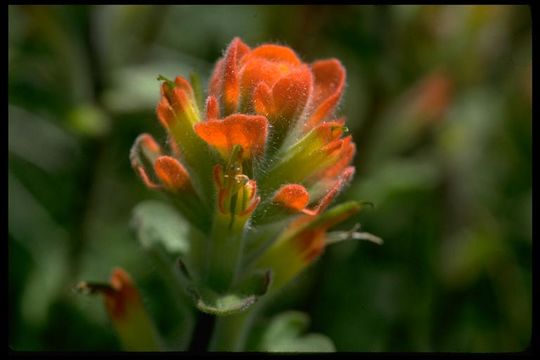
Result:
158,224
284,334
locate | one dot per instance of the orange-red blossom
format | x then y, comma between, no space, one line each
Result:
268,137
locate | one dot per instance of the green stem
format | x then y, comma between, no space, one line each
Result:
225,253
230,332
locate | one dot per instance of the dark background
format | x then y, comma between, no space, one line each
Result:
438,101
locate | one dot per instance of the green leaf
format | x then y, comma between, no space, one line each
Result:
283,334
241,297
195,81
156,223
210,302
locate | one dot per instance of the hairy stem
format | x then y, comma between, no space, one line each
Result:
225,253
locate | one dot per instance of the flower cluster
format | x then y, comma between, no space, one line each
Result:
266,153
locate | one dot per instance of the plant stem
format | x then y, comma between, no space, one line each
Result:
230,332
202,332
225,252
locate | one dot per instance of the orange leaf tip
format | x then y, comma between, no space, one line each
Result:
329,84
172,174
292,196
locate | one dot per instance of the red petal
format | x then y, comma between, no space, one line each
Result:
165,112
292,196
144,147
242,49
146,180
329,85
334,147
292,92
216,79
231,84
260,71
347,153
171,173
212,108
248,131
149,147
275,53
345,177
184,85
262,99
330,132
181,99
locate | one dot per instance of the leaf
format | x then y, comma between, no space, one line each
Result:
156,223
241,297
283,334
306,343
215,304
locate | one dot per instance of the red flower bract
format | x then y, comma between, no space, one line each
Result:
248,131
267,147
272,81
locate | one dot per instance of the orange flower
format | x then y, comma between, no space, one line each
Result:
272,81
282,155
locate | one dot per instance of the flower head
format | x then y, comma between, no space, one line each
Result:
266,148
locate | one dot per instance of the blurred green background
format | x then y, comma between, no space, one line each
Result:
439,103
